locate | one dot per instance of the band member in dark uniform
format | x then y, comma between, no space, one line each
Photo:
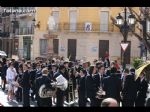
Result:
26,86
59,93
19,80
82,88
32,80
142,90
98,80
90,85
66,75
112,85
129,91
52,70
38,70
46,100
3,75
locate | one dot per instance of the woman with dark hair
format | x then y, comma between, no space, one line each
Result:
90,85
19,81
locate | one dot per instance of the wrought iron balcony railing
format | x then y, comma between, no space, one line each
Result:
81,27
4,34
25,31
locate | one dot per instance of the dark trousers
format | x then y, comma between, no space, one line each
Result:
59,98
140,102
93,101
44,102
98,102
82,101
26,98
4,83
33,93
19,94
128,103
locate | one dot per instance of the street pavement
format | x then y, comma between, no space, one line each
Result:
13,103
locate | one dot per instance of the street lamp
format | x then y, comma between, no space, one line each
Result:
125,24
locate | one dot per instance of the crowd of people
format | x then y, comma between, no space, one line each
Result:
101,83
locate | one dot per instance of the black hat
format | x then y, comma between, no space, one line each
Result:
132,70
49,66
113,70
54,65
61,67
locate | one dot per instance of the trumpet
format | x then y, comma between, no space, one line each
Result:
100,93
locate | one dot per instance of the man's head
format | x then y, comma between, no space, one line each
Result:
45,71
126,71
66,64
109,102
132,70
101,69
62,68
113,70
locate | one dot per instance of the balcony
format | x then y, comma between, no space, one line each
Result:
4,34
81,27
25,31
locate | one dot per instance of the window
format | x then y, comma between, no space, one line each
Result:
43,46
148,26
56,18
104,16
73,20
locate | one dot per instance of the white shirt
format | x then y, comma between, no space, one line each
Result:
10,75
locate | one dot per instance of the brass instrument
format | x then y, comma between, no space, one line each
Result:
100,93
46,93
71,93
61,83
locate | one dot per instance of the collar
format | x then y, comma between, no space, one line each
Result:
44,74
142,79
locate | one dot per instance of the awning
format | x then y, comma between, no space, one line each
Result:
2,53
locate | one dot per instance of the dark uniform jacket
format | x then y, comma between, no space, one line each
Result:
39,82
82,87
43,80
98,81
112,86
26,80
38,73
130,88
4,69
142,90
90,86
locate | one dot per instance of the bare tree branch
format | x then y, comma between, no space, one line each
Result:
137,36
147,44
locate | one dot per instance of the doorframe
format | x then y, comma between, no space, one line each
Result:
99,47
68,48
